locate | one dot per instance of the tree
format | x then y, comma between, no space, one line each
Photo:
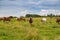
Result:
21,16
32,15
10,16
51,15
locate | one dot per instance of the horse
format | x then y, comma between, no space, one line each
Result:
30,20
57,20
43,20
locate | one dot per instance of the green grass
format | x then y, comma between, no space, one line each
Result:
15,30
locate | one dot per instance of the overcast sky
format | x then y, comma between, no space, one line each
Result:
23,7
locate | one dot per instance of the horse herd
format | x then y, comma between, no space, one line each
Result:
4,19
9,19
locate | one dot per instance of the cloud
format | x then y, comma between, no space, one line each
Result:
52,1
22,7
14,12
8,12
35,3
24,12
45,12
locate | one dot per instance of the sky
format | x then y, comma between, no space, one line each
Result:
23,7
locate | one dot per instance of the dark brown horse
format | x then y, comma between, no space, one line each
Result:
6,19
30,20
58,20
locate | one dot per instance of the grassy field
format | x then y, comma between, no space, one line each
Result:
20,30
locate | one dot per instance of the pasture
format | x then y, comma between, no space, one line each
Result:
22,30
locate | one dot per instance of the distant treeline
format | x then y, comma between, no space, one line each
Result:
35,15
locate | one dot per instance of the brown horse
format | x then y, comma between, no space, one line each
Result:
1,19
58,20
31,20
21,19
6,19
